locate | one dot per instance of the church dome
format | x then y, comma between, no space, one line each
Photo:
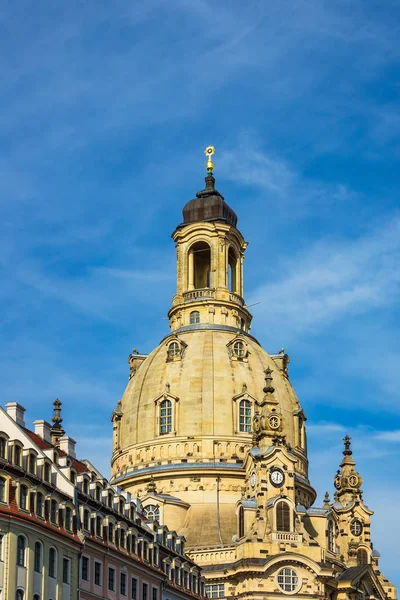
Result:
209,393
205,378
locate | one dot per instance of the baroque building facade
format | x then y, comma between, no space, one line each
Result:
211,436
67,534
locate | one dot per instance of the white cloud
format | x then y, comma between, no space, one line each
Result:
331,280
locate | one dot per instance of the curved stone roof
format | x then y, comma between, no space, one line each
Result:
204,381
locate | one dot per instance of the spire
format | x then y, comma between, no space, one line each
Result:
347,480
347,444
56,430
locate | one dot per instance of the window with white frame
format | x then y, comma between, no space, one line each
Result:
215,590
288,580
152,512
165,416
245,416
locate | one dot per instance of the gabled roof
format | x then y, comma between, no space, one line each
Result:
353,573
40,443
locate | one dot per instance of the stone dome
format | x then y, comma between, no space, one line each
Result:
205,384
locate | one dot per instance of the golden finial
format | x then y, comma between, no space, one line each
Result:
209,151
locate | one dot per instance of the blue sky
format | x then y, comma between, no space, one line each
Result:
105,110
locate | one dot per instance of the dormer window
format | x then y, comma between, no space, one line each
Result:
17,455
165,417
239,349
85,486
54,512
98,493
111,533
39,505
68,518
152,512
173,350
47,472
3,447
245,416
23,497
32,463
3,488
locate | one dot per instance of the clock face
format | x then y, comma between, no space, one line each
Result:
253,479
277,477
353,480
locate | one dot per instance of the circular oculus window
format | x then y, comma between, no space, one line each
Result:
356,527
288,580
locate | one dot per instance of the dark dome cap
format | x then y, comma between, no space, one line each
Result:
209,205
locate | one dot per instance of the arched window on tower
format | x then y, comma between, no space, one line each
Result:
282,516
245,416
194,317
331,536
165,417
199,266
241,521
362,557
233,271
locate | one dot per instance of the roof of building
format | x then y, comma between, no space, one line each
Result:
209,205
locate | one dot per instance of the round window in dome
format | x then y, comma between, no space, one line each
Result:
238,349
152,512
174,350
288,580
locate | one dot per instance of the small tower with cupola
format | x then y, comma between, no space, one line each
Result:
210,252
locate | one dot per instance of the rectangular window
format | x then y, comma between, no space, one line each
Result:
122,584
66,564
98,526
1,545
23,497
85,568
3,448
2,488
111,579
39,505
97,573
155,594
215,590
17,456
145,588
134,594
